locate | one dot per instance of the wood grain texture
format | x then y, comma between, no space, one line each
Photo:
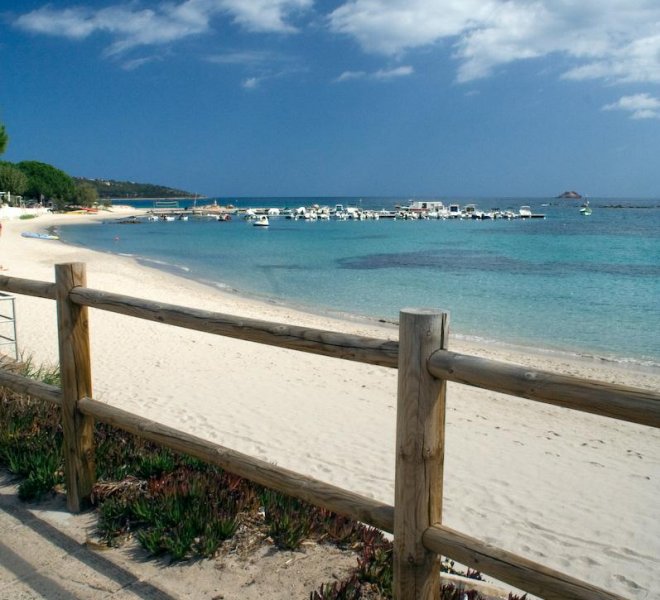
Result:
373,351
512,569
631,404
420,438
76,375
31,387
27,287
311,490
329,343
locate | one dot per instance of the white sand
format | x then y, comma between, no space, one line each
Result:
574,491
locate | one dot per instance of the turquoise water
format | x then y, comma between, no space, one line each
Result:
589,285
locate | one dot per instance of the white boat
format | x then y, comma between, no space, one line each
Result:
454,211
585,209
432,209
261,221
40,236
525,212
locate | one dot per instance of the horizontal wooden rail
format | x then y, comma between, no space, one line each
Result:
28,287
31,387
373,351
635,405
349,504
515,570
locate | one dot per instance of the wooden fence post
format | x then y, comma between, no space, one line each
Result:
76,374
420,435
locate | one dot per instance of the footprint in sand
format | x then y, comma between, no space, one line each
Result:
633,453
629,582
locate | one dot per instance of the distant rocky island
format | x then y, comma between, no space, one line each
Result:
109,188
570,195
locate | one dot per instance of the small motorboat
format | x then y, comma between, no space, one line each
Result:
261,221
40,236
585,209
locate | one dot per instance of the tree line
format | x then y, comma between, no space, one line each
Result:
45,184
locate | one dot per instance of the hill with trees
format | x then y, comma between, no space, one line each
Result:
109,188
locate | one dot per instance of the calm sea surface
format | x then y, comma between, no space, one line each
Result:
589,285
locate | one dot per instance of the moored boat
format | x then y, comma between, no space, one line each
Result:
40,236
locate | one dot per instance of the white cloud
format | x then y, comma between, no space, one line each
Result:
613,40
166,22
76,23
351,75
250,83
381,74
403,71
136,63
391,26
636,62
264,15
640,106
248,57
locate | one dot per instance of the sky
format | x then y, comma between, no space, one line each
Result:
424,98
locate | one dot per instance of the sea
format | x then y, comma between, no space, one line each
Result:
568,283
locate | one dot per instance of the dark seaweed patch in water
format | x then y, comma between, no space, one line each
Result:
450,262
469,260
607,269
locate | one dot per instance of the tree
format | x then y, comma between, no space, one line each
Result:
4,139
45,181
86,194
12,179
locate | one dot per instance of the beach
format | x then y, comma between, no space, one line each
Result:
570,490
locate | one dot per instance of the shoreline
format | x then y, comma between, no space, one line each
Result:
571,490
473,343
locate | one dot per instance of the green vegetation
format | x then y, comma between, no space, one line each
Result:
47,182
86,194
108,188
180,507
4,139
31,436
12,179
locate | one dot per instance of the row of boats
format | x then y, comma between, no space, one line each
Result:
179,216
430,209
414,210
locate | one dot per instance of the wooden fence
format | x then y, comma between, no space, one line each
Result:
424,366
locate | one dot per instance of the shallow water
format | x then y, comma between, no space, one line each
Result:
571,283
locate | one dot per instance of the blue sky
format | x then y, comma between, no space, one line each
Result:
356,97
